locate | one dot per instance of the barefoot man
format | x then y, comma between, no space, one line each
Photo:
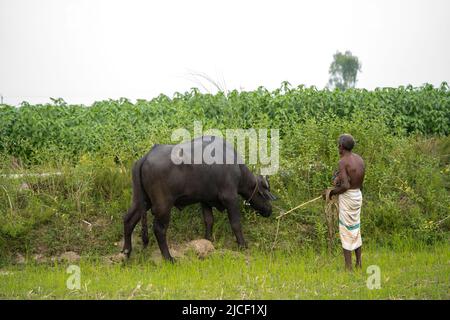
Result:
348,184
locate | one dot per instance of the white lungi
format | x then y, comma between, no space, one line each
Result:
349,219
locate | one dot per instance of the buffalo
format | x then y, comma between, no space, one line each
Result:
160,183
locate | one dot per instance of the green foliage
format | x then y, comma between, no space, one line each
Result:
402,134
55,132
344,70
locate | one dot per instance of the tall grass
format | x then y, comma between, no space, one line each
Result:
402,134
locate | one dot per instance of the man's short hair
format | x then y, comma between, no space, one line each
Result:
346,141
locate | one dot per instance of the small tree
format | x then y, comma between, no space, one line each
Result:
344,70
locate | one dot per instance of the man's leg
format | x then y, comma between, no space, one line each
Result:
358,257
348,260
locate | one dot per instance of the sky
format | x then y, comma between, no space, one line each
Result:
88,50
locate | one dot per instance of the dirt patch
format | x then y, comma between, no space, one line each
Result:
69,256
115,258
40,258
19,259
200,247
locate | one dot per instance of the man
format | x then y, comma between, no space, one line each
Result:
348,183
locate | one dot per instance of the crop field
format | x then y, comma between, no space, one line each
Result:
65,183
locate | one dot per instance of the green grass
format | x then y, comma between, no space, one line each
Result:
405,274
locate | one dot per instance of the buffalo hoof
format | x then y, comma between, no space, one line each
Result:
170,259
242,246
126,252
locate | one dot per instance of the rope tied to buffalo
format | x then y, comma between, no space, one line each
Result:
331,211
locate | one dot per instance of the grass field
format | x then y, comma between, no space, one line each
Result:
405,274
401,133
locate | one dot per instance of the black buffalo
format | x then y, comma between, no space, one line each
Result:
160,184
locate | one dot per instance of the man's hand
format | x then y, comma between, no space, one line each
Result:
326,194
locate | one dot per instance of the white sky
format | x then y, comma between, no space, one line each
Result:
89,50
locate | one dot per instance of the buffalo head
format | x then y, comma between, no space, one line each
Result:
261,197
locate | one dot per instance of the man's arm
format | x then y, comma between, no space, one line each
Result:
343,178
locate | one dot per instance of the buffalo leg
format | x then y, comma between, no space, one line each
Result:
160,225
234,216
208,218
129,222
144,231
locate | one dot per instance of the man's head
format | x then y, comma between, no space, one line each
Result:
345,143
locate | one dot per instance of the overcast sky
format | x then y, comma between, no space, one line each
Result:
89,50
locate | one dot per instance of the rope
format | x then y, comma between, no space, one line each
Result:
331,211
247,202
276,235
439,222
285,213
299,206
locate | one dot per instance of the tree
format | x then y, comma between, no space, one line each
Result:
344,70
